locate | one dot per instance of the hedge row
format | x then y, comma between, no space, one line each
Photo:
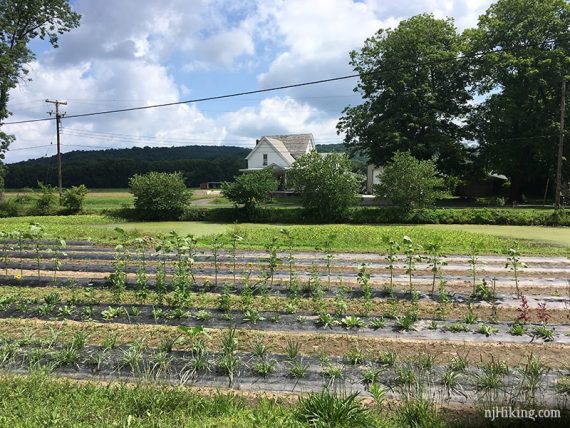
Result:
392,215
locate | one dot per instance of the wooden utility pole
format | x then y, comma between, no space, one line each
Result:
560,145
58,117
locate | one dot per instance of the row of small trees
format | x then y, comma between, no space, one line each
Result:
326,185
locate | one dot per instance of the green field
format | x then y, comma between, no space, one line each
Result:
453,238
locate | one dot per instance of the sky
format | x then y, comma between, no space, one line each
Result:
130,53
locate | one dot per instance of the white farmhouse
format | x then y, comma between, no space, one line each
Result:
278,152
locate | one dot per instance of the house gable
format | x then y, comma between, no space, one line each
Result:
272,152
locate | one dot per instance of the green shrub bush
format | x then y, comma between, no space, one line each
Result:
73,199
250,189
409,182
159,195
46,203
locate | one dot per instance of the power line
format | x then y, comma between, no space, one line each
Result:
196,100
272,89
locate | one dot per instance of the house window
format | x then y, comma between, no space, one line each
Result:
265,159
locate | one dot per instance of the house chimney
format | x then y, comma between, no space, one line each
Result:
256,142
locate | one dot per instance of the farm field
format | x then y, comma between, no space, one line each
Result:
406,326
99,200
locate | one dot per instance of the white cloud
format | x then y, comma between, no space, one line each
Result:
122,55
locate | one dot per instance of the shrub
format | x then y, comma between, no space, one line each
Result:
409,182
72,199
327,409
159,195
327,184
250,189
46,203
10,208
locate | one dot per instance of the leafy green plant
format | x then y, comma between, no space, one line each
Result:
377,323
354,356
410,258
252,316
514,263
216,245
370,376
533,374
272,260
203,315
387,358
487,330
391,259
297,369
470,317
363,280
327,409
293,348
118,277
436,259
326,320
407,321
543,332
351,321
263,368
457,327
518,330
141,275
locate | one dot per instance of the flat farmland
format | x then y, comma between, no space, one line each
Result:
459,331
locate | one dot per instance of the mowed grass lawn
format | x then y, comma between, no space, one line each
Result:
457,239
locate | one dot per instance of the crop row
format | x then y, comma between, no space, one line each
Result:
380,374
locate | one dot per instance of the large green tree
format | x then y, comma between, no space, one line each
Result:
517,125
414,93
20,22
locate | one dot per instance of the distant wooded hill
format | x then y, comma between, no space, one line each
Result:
112,168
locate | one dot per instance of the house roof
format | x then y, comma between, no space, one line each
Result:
295,144
280,147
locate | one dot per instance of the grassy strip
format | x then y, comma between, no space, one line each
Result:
38,400
42,401
306,237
